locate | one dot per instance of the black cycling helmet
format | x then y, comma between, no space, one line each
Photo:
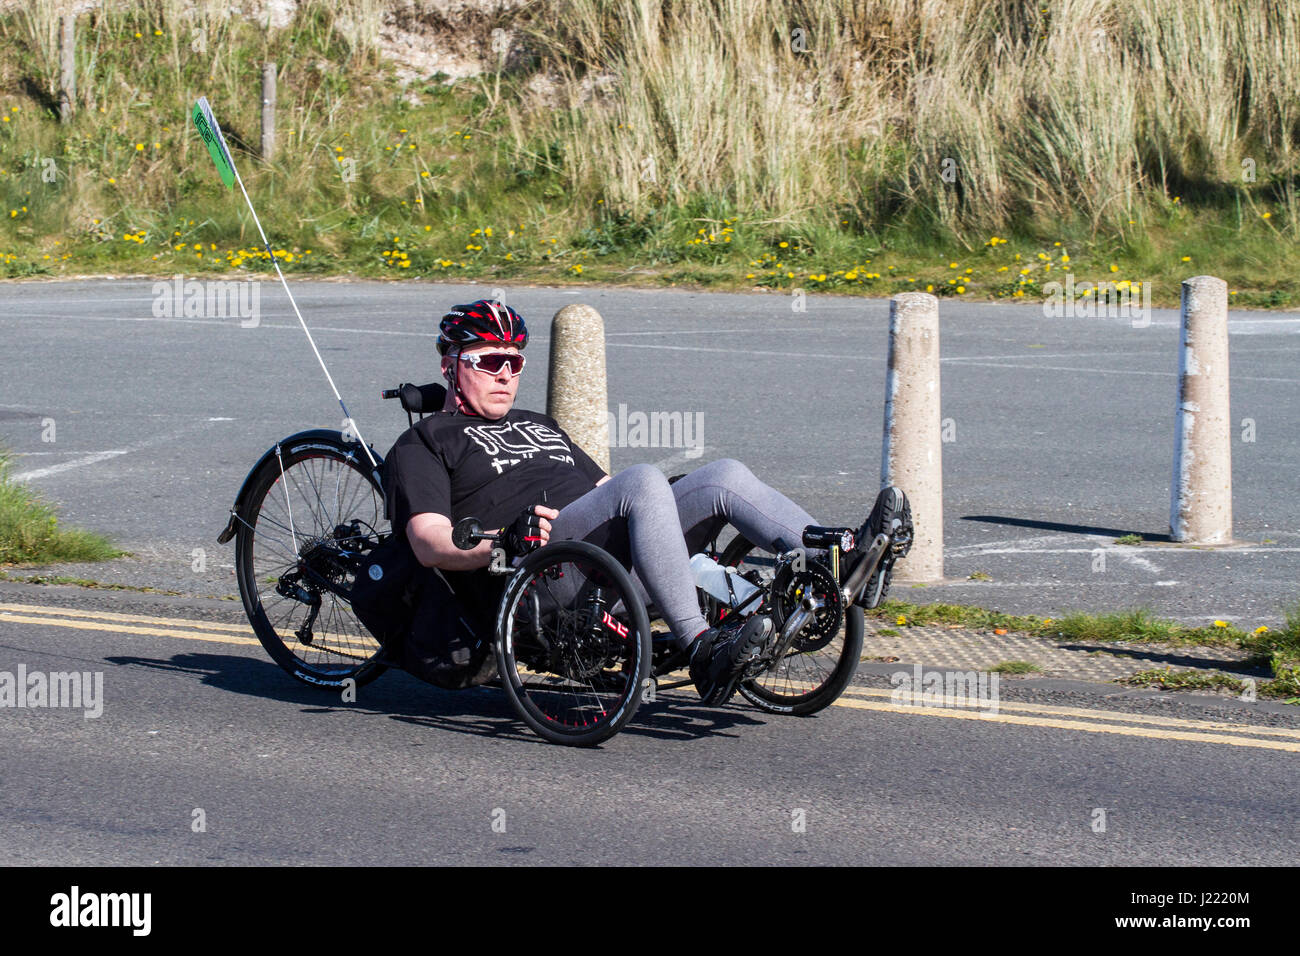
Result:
485,322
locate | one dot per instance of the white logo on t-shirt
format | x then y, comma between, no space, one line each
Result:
524,439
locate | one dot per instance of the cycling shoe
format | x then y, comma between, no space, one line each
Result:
719,656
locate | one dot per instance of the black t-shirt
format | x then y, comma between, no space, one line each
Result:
459,466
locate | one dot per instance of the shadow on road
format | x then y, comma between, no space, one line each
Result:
478,711
1180,658
1066,528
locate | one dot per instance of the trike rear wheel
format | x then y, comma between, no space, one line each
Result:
310,512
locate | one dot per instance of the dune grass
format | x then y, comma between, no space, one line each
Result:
976,148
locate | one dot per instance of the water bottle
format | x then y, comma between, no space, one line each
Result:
713,578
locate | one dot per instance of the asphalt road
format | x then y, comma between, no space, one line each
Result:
1063,442
204,752
1063,427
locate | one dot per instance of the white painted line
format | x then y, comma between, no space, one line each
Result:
97,457
68,465
1034,355
787,353
1119,371
749,331
1043,539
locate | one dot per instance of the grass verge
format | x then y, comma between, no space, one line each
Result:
1015,667
30,532
1279,650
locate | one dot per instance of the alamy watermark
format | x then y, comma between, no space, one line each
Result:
75,689
209,299
657,430
921,688
75,908
1091,300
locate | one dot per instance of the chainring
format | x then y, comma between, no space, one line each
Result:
788,589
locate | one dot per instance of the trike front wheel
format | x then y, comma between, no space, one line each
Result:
814,671
573,643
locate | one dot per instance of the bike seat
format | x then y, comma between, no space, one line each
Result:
422,399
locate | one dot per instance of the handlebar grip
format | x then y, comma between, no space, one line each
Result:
467,532
390,393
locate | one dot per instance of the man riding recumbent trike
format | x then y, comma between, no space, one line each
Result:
547,580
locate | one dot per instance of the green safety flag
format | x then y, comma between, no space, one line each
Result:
207,126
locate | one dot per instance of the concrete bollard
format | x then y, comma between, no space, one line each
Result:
1200,510
912,456
576,391
268,111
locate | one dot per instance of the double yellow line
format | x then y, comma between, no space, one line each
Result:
127,623
1082,718
882,700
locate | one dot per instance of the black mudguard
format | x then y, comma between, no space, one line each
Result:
290,445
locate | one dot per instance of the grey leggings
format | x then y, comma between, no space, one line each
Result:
654,526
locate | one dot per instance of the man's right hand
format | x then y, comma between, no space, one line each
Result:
528,532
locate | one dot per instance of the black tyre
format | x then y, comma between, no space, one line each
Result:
573,644
308,515
814,672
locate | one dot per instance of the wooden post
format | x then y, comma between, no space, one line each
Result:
268,112
67,67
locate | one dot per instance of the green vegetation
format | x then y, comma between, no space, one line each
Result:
1278,650
1170,679
30,532
1129,539
976,148
1015,667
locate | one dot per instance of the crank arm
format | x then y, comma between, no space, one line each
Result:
795,623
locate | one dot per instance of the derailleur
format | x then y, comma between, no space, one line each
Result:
290,586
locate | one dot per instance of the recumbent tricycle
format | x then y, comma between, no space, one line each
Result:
575,651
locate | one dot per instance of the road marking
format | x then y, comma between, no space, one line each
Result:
1058,724
124,618
856,698
118,627
841,356
1113,715
104,455
1105,371
68,465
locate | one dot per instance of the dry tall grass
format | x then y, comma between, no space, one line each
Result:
1040,114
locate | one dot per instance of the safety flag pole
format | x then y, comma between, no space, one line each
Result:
208,129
